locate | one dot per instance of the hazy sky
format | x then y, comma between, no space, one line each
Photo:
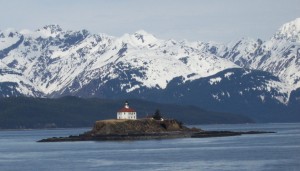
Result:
204,20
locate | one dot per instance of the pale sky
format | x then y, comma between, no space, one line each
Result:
203,20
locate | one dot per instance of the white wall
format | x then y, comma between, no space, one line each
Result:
126,115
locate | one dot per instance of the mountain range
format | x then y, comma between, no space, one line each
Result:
254,77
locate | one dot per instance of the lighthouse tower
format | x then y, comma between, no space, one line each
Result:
126,112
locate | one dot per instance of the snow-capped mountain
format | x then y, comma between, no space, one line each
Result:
257,94
248,74
289,31
58,61
280,55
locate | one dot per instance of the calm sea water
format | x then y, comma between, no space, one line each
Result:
281,151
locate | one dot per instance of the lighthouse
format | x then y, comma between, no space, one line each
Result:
126,112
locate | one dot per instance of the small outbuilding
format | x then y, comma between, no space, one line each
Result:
126,112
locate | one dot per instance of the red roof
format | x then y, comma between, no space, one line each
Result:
124,109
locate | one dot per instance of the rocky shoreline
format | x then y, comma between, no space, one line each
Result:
149,136
116,137
145,129
205,134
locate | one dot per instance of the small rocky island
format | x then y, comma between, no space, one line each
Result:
141,129
127,127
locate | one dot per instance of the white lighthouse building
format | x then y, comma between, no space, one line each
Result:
126,112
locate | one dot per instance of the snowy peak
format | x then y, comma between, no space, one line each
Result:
289,31
8,38
8,33
145,37
53,28
139,38
50,30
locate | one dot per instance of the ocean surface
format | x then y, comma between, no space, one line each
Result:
280,151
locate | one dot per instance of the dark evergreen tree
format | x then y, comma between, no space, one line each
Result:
157,115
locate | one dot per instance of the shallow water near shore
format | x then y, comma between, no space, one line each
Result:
280,151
